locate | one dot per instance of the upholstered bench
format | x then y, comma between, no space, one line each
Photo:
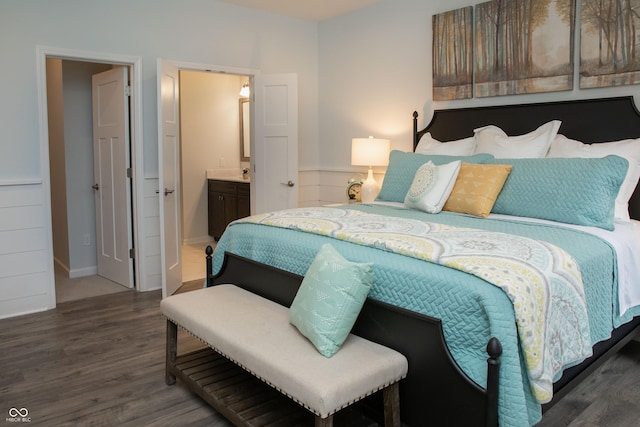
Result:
255,334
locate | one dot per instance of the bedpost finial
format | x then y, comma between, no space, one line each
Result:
208,250
494,348
415,114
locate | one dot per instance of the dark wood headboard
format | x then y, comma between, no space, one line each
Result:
587,120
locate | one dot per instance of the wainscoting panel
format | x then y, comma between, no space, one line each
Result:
151,276
26,268
323,187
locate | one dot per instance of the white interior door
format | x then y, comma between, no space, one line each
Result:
275,151
111,161
169,179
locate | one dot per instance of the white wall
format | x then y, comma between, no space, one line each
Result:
199,31
375,70
196,31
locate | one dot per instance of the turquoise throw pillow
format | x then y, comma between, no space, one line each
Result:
403,167
330,298
578,191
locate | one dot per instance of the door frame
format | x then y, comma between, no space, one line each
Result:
250,73
136,146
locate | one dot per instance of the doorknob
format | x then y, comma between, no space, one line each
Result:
288,183
95,187
166,191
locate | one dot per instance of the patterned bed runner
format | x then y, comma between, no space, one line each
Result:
542,280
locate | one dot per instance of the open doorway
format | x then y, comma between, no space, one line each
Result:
77,237
211,147
273,146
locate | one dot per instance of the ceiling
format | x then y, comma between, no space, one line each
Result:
311,10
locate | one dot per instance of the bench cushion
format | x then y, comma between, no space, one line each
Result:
255,333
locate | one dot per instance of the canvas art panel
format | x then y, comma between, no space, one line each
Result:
453,54
609,52
523,47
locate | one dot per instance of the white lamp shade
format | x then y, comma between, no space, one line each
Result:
370,151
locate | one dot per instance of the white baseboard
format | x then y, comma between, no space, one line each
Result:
83,272
76,272
59,266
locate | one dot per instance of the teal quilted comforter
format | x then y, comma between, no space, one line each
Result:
472,311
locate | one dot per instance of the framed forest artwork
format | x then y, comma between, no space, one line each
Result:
524,46
609,50
453,55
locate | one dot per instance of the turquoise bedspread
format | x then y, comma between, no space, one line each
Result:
472,310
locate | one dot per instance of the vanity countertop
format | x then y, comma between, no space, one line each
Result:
223,175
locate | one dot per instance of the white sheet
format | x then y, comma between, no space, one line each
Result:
625,239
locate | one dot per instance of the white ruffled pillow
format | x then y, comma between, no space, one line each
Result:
491,139
628,149
432,186
459,147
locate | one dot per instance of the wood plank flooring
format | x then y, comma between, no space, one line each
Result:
100,361
609,397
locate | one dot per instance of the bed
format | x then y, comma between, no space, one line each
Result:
466,362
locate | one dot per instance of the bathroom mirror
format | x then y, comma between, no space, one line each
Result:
245,130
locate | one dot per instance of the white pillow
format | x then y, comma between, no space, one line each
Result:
459,147
491,139
628,149
432,186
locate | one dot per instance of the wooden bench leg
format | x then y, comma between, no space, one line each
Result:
172,351
324,422
391,398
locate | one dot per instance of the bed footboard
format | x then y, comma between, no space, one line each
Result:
435,391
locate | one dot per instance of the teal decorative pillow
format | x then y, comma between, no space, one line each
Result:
578,191
403,167
330,298
432,186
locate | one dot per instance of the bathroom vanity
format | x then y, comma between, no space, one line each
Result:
228,201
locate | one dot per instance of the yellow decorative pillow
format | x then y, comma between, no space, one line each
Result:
477,188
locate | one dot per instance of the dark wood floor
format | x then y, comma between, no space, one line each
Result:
609,397
100,362
97,361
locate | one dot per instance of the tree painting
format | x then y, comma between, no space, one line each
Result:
609,54
453,55
524,46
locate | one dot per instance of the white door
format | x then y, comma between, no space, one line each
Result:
169,174
275,154
112,186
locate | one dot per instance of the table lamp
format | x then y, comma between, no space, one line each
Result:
369,152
